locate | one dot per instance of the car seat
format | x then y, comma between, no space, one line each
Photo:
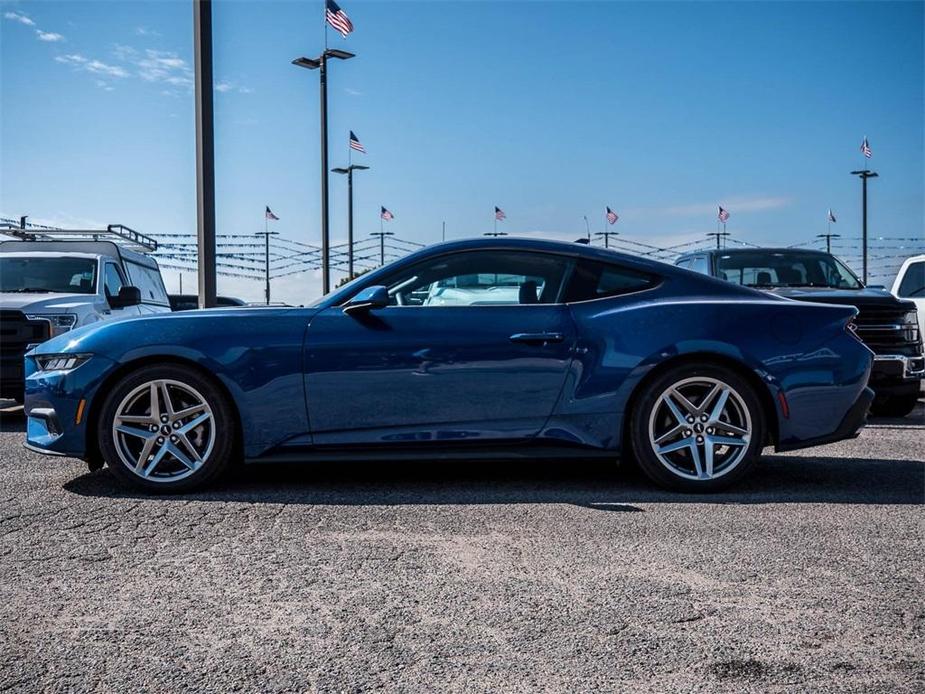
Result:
528,293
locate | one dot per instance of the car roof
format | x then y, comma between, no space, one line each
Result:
49,254
529,243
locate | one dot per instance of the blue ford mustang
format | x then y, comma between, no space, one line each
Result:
484,348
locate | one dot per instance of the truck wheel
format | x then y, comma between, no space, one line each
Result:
166,428
895,405
697,428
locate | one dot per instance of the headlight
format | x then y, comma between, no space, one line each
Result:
60,322
911,317
60,362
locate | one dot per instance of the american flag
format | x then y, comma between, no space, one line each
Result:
355,143
612,216
499,214
832,215
269,214
865,148
723,215
386,215
337,18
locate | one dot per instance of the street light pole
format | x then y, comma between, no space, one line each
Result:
382,235
720,235
606,234
864,175
349,171
266,260
205,152
321,64
828,240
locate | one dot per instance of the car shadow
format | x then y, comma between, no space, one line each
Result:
588,483
591,484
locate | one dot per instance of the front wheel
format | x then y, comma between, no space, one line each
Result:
697,428
166,428
895,405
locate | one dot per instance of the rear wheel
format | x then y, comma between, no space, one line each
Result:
697,428
166,428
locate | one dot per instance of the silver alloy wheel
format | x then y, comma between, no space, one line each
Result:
164,430
700,428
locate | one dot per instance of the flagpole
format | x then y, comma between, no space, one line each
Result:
324,23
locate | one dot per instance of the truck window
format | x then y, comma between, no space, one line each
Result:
44,275
149,282
913,284
701,265
112,280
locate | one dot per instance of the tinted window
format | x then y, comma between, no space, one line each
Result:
785,269
113,280
40,275
149,282
913,284
479,278
701,265
596,280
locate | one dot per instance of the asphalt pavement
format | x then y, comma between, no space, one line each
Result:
479,577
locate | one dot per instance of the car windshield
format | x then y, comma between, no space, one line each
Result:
46,275
785,269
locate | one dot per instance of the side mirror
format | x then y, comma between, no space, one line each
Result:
127,296
367,299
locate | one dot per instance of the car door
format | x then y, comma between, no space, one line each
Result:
473,346
113,281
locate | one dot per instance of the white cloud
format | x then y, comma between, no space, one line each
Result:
71,59
163,66
19,17
97,67
144,31
102,68
353,92
224,86
48,36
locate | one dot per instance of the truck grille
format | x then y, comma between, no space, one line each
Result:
16,334
886,331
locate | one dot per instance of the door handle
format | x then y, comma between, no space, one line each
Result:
537,338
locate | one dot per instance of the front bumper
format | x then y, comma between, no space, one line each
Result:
53,402
894,374
849,428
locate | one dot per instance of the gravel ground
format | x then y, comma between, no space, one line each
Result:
485,577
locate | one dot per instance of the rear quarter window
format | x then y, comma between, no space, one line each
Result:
597,280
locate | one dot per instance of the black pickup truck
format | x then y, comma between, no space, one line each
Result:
886,324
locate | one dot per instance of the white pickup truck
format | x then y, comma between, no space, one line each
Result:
50,287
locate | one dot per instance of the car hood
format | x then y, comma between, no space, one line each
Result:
179,329
860,298
44,303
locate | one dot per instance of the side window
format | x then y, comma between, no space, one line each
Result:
685,263
112,280
701,264
480,278
149,282
596,280
913,284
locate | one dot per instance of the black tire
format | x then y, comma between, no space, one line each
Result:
737,464
894,405
220,452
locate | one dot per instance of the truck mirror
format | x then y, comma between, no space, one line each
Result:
127,296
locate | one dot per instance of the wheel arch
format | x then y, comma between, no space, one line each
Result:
96,403
765,397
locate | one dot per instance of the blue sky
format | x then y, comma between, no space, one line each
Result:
550,110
